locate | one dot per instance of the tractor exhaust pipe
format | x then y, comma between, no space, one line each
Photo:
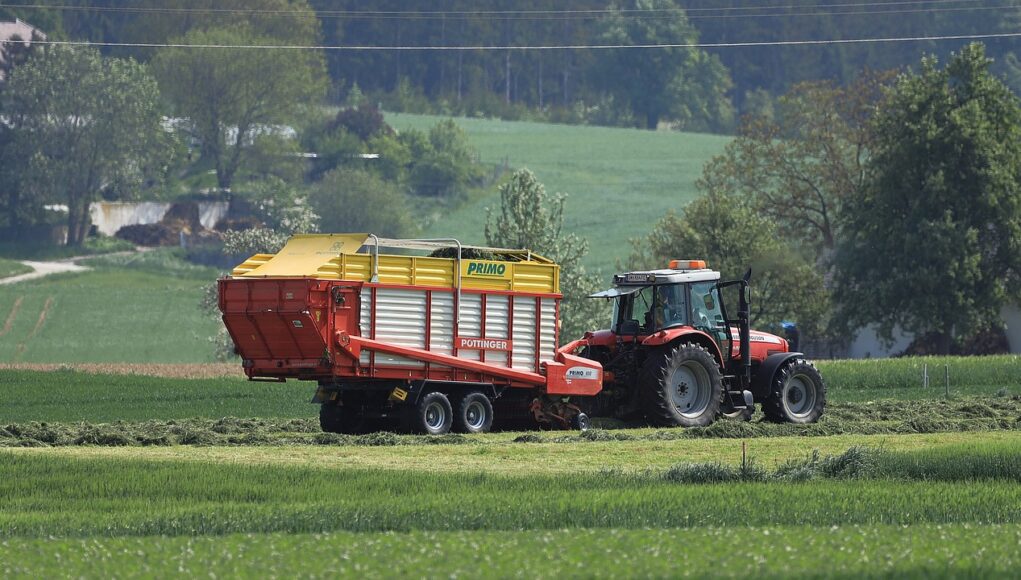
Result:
744,328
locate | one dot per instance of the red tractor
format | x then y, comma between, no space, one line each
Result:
678,356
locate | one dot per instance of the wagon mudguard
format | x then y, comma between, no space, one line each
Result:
767,372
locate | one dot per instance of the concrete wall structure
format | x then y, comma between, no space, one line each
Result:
109,216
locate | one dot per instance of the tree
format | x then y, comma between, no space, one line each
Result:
82,123
354,200
529,218
933,242
684,84
802,161
231,95
728,232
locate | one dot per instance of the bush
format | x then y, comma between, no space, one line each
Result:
358,201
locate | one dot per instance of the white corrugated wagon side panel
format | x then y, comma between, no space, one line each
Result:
548,330
441,335
496,326
524,334
365,321
471,322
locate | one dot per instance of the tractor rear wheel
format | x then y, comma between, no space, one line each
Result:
473,413
432,415
340,419
682,387
798,394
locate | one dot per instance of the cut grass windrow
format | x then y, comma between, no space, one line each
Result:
884,417
922,551
112,497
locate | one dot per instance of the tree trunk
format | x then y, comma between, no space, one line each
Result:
77,222
944,340
651,120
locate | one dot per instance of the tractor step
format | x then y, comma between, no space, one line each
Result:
741,399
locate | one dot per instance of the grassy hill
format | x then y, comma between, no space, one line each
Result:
619,181
142,308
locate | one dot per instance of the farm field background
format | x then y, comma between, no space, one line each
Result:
124,452
619,182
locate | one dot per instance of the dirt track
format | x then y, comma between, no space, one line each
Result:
181,371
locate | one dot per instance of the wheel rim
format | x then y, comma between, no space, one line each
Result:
690,389
799,395
475,415
435,416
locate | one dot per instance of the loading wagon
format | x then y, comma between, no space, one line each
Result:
427,342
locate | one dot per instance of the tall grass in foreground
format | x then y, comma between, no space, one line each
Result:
62,496
921,551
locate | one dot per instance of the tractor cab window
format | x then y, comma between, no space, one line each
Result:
706,312
650,308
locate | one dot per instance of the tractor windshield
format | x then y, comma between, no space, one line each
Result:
650,308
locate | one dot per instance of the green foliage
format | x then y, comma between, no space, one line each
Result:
729,233
280,206
230,96
802,157
81,123
933,241
531,219
358,201
446,165
683,84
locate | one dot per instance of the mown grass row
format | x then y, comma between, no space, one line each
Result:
109,497
888,417
922,551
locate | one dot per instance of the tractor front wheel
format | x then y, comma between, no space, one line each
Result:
682,387
798,394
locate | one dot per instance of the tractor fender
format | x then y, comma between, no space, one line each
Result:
674,336
763,378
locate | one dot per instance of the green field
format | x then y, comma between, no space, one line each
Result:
620,182
10,268
142,307
921,551
121,476
934,510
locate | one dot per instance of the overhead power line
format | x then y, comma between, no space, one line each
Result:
887,8
354,48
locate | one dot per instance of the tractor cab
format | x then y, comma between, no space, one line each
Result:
686,296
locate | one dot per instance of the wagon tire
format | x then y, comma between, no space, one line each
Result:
681,387
432,415
473,413
797,394
340,419
580,422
